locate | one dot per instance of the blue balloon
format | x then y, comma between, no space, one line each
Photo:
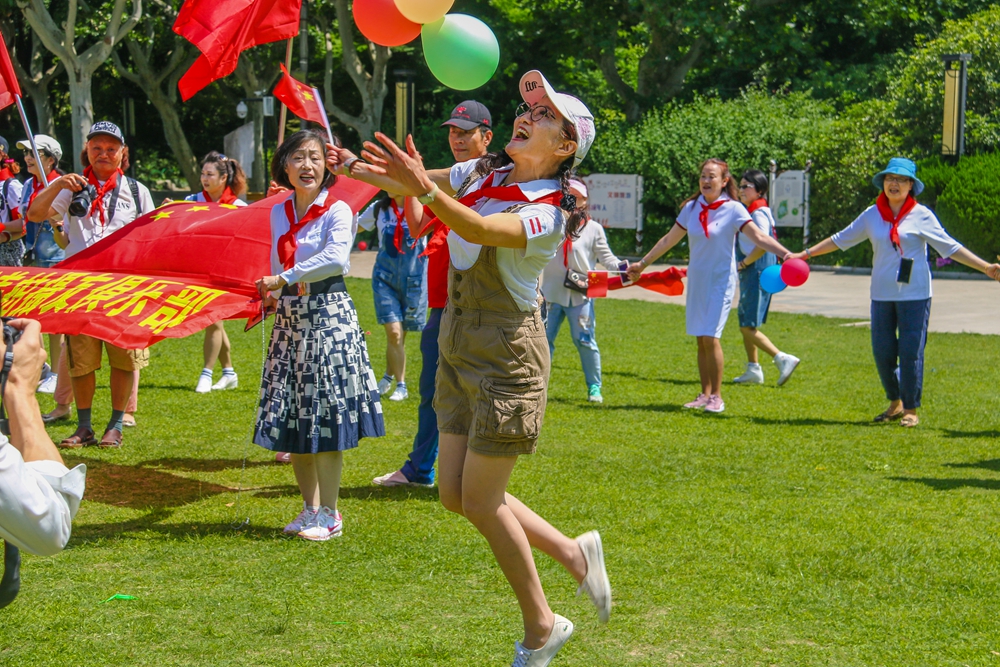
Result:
770,280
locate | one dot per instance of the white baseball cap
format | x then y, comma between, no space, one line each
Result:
44,143
534,87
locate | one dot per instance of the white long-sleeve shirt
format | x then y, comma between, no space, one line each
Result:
38,501
323,246
591,247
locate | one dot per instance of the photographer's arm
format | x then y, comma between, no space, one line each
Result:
41,209
27,431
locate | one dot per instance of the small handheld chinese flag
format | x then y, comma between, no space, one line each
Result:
301,100
9,87
597,284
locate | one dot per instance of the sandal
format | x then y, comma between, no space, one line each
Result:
888,417
909,421
112,439
83,437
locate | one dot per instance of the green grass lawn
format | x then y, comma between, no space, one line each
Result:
787,531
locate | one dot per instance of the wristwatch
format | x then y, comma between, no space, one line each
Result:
430,196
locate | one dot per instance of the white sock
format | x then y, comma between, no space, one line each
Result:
228,371
206,372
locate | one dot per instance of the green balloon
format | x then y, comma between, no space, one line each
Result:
460,50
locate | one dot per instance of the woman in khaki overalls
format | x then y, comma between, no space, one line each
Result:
506,224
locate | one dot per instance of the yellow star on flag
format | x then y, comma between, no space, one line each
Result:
162,214
200,208
226,206
308,96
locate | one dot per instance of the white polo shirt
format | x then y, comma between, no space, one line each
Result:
543,225
38,501
87,230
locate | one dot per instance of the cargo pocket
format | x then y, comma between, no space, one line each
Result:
510,409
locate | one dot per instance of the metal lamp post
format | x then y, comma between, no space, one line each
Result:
405,104
955,84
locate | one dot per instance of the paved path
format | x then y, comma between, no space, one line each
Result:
959,305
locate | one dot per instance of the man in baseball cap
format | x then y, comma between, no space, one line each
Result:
534,88
106,127
470,130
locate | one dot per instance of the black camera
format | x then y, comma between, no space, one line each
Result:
80,204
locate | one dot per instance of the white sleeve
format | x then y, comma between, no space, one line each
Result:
853,234
14,195
61,203
760,220
461,171
367,219
543,225
936,237
684,216
33,516
603,251
146,199
192,197
338,234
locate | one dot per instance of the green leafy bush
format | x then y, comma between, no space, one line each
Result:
969,204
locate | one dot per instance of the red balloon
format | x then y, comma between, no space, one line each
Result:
381,22
362,245
795,272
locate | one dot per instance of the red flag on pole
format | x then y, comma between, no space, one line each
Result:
9,87
667,282
222,29
597,284
301,99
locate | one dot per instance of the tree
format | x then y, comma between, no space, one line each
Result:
160,85
370,84
35,81
80,67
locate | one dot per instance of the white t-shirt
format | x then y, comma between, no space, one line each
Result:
919,228
322,247
764,221
9,203
200,197
543,225
87,230
38,501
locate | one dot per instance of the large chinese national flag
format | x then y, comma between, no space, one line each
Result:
222,29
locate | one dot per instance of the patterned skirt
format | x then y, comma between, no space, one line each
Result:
318,393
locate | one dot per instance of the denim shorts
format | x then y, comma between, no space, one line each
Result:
754,302
399,285
47,253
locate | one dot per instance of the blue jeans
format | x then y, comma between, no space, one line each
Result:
419,468
581,328
399,283
900,360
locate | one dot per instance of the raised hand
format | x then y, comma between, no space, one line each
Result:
406,169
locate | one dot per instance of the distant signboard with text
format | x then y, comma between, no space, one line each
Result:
615,200
788,199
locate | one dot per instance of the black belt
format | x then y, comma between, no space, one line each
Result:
332,284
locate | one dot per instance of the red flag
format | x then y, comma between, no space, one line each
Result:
597,284
300,99
9,87
222,29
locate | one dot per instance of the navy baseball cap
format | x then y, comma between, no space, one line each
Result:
469,115
108,128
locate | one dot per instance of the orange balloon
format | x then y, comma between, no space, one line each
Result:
381,22
424,11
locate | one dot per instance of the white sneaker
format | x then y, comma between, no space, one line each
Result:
323,525
541,657
384,385
397,478
596,583
400,394
300,522
204,384
48,384
753,375
786,364
227,382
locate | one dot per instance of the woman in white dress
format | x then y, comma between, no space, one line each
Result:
710,219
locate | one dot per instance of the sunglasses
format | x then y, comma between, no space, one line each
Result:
537,112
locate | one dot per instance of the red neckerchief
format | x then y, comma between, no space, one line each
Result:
397,236
36,185
886,212
705,208
286,242
500,192
227,196
567,249
6,174
109,185
438,240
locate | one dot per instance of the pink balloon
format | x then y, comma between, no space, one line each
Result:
381,22
795,272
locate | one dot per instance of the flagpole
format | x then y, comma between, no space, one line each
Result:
31,138
326,119
283,114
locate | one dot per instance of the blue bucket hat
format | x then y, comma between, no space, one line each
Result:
900,166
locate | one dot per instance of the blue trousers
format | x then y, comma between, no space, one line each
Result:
900,358
581,328
419,467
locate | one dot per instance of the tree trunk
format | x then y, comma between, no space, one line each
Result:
176,139
82,115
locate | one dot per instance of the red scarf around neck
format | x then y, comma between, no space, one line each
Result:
109,185
227,196
489,191
6,174
397,236
705,208
36,187
756,204
286,242
882,203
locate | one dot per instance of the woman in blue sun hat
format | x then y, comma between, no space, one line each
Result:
900,229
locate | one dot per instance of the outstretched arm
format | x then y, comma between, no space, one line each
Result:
824,247
765,241
668,241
